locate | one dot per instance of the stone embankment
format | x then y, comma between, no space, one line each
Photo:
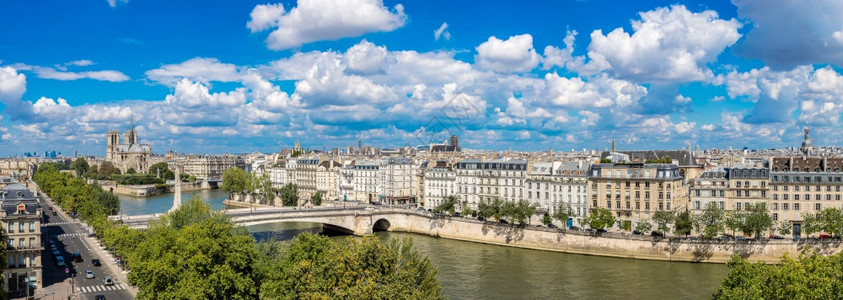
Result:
608,244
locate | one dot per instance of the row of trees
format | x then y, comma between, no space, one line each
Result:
515,211
195,252
74,194
828,220
810,276
237,181
754,220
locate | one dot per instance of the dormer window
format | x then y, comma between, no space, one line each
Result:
21,209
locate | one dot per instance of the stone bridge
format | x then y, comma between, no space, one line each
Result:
358,220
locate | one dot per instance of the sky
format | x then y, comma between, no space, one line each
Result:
243,76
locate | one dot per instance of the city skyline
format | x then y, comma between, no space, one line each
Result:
241,77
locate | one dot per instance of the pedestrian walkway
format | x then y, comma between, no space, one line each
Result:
57,223
100,288
68,235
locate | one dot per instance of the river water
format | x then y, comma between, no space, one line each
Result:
478,271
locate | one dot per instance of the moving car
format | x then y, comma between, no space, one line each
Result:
54,213
89,274
100,297
107,281
96,262
60,261
77,257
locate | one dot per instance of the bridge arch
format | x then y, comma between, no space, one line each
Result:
381,225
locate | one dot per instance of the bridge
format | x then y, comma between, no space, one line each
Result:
357,220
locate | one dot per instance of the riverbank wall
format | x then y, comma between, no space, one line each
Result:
150,190
608,244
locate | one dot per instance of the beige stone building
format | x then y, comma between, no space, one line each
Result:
128,154
21,217
804,184
326,180
635,191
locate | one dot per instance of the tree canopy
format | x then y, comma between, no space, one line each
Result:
683,224
289,194
663,220
828,220
710,222
80,165
600,218
811,276
449,205
316,199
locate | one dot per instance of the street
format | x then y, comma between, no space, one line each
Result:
69,236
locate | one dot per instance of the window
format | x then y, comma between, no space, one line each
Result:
795,206
10,227
696,205
775,197
738,206
775,216
722,205
775,206
20,226
647,205
31,226
817,206
785,206
796,197
785,197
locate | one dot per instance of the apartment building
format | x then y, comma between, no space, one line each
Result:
635,191
570,185
305,170
804,184
278,175
710,186
210,167
367,180
479,180
398,177
439,182
345,182
746,185
21,217
326,179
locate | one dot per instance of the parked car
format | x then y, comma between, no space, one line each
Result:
575,228
89,274
637,232
107,281
740,238
602,230
100,297
551,226
825,236
481,219
503,221
368,208
96,262
77,257
656,233
421,209
457,214
50,207
776,237
54,213
56,253
724,238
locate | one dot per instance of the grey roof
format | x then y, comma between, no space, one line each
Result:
133,148
16,193
683,157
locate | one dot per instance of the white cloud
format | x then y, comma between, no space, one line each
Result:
366,58
113,3
324,20
515,54
80,63
52,73
667,45
12,84
787,33
601,91
442,32
199,69
562,57
707,127
193,95
326,83
265,16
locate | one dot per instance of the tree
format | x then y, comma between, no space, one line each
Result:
600,218
784,227
710,222
757,219
289,194
811,276
317,267
107,169
264,187
734,221
546,219
490,208
316,199
643,226
233,181
448,205
520,211
663,220
625,225
683,224
466,211
605,161
160,170
195,253
562,213
828,220
80,165
131,171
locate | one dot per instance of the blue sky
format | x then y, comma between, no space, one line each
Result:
238,76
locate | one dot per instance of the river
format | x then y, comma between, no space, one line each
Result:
479,271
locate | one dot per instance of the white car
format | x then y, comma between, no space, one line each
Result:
368,208
89,274
107,281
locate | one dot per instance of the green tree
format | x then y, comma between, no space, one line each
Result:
605,161
811,276
191,179
233,181
466,211
194,253
757,219
264,187
625,225
80,165
784,227
828,220
710,222
289,194
546,219
131,171
160,170
663,220
683,224
316,267
490,208
734,221
600,218
316,199
449,204
562,213
643,226
107,169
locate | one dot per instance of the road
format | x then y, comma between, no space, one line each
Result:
69,236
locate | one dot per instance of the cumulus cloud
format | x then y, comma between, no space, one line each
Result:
554,56
515,54
366,58
668,44
442,32
193,95
324,20
601,91
809,34
53,73
113,3
199,69
12,88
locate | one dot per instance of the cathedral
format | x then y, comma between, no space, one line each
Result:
128,154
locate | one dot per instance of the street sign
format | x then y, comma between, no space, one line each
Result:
66,270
